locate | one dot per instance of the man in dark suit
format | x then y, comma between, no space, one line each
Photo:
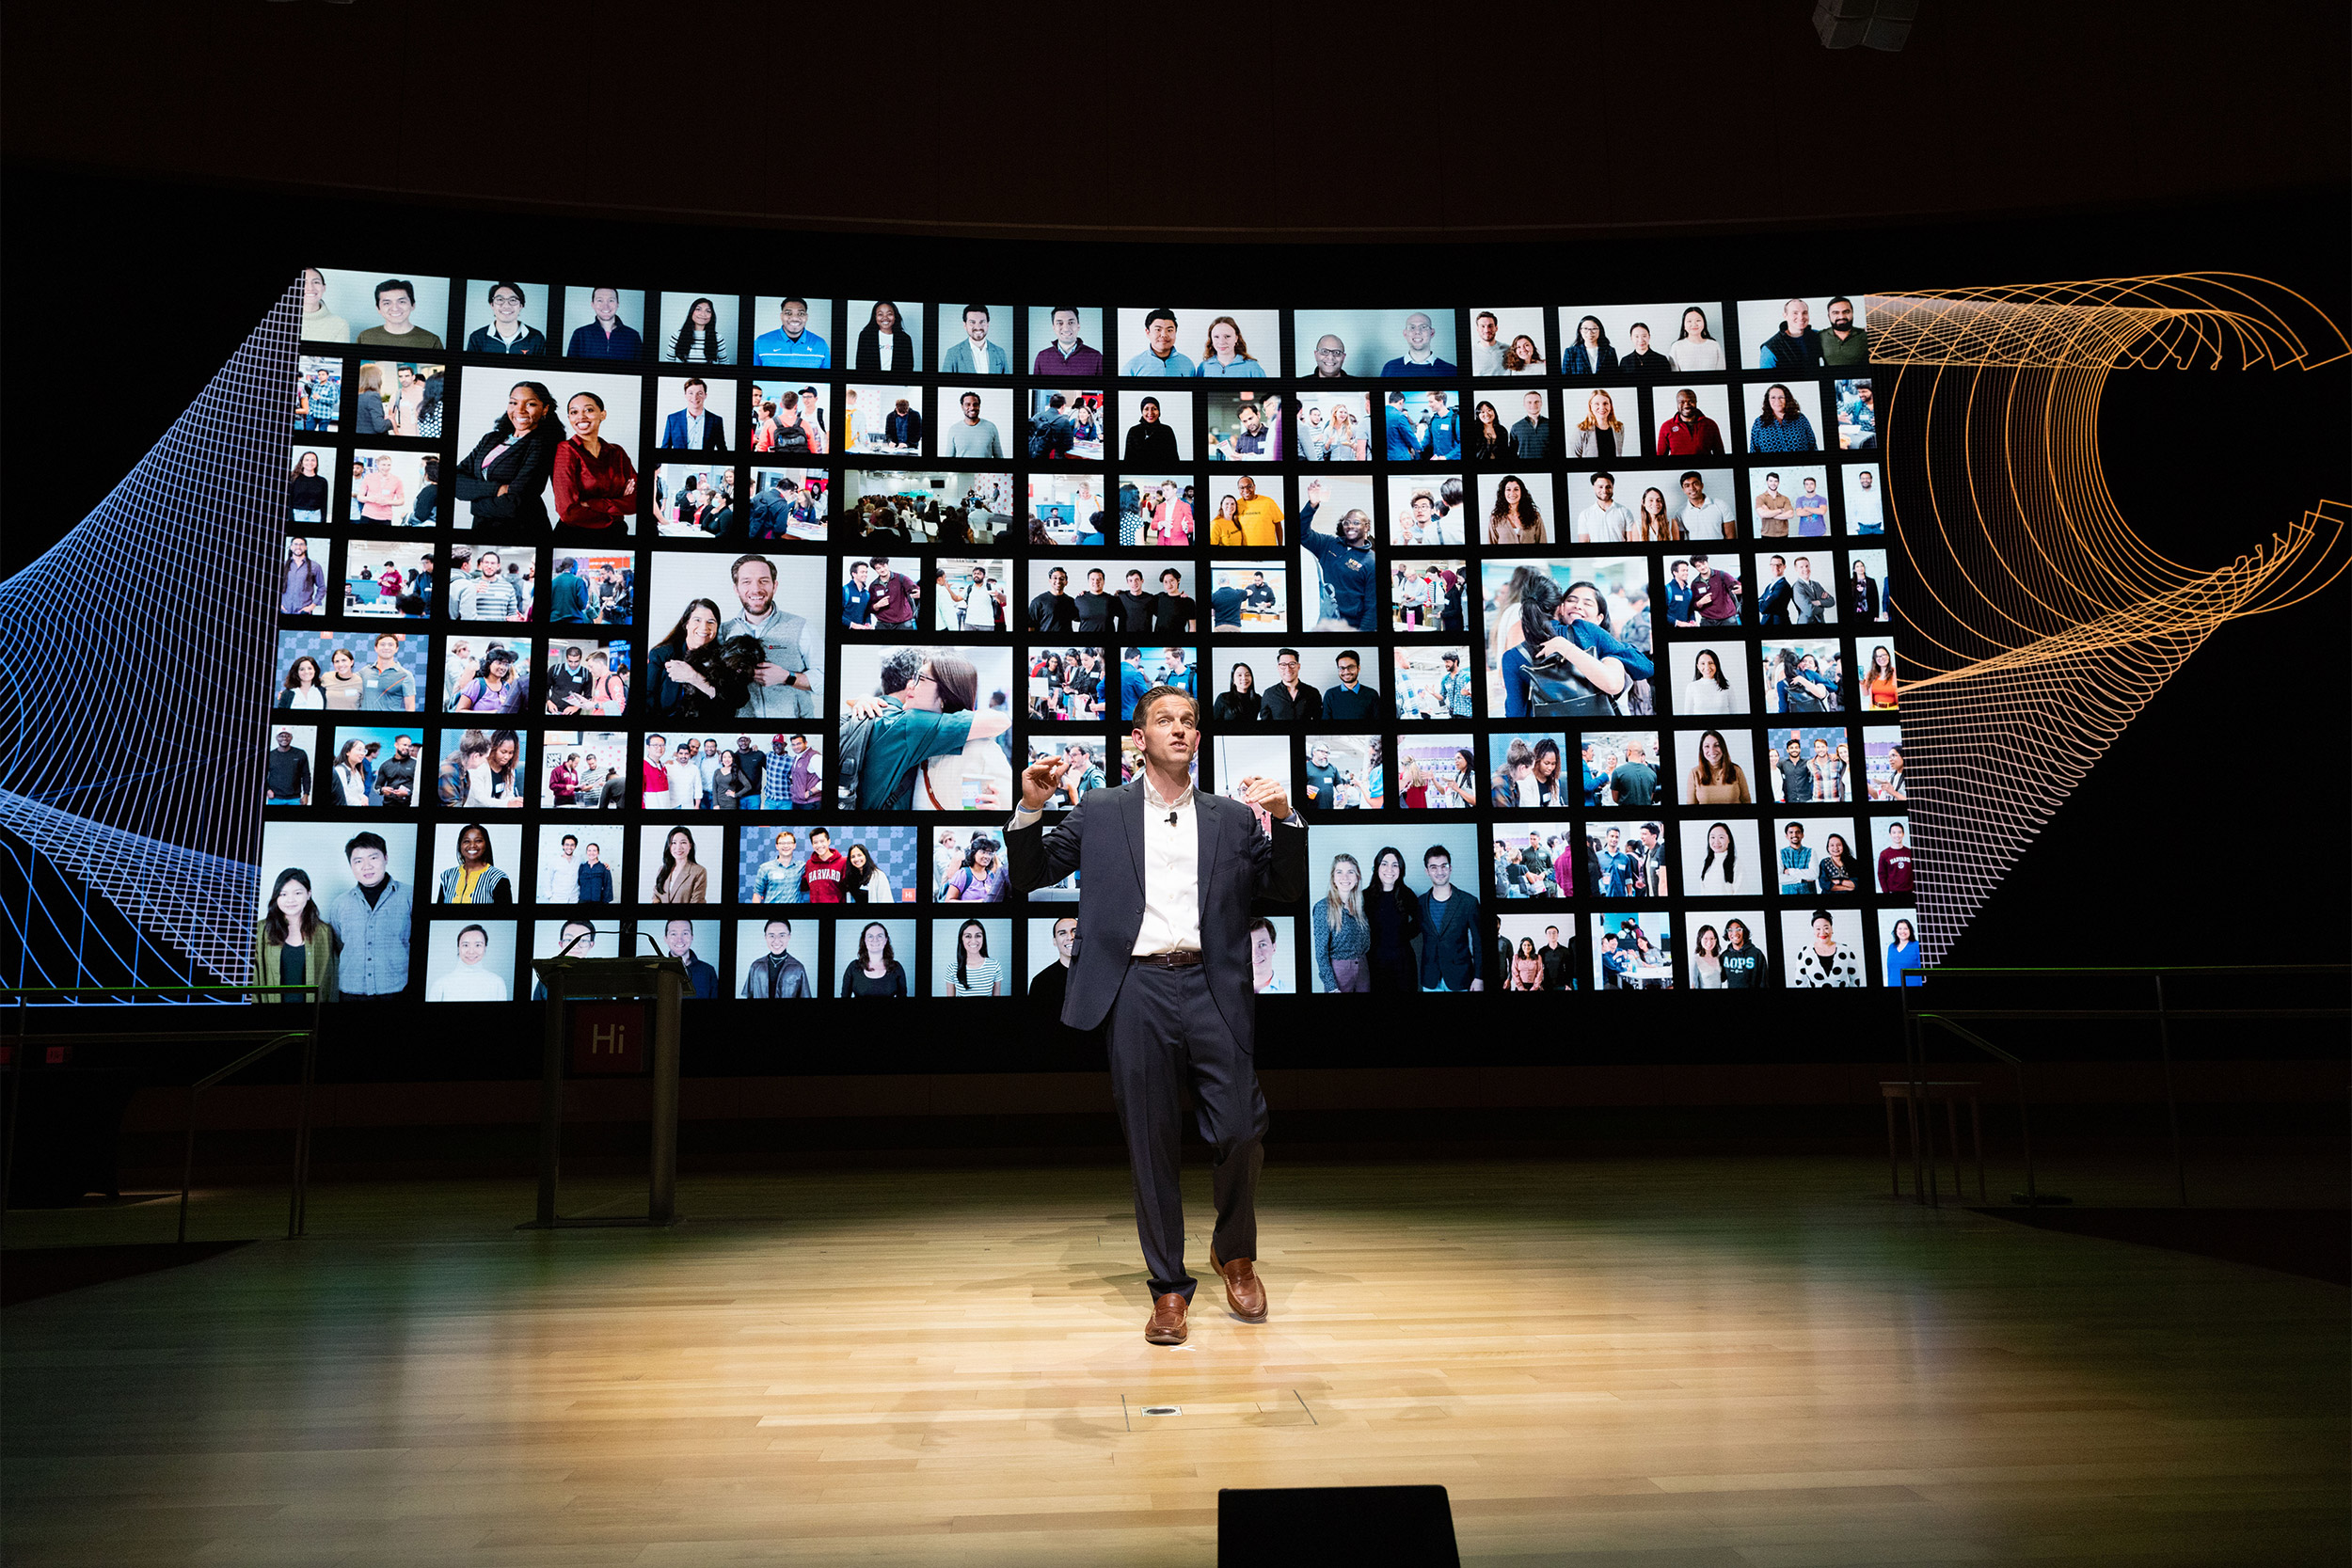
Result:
1450,943
690,429
1168,882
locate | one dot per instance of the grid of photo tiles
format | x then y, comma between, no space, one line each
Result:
726,623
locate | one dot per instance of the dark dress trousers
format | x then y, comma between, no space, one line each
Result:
1171,1024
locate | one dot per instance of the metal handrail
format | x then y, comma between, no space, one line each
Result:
298,1197
1914,1044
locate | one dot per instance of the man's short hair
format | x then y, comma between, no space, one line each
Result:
1162,314
1172,572
695,381
1436,852
1056,400
1602,474
1835,301
1059,308
1688,475
366,841
390,284
742,561
776,920
1771,476
1488,316
1347,654
981,308
571,838
1279,653
1145,703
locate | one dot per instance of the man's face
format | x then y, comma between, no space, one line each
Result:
679,934
1682,572
1771,485
1094,582
1804,568
710,748
1604,489
795,318
403,747
785,847
1066,328
1418,332
1059,580
1289,669
1487,329
1686,408
859,573
755,587
1534,402
1168,734
1249,420
1798,315
779,937
571,658
1441,869
1609,840
696,394
1841,316
971,408
1171,584
798,745
606,303
285,738
1649,838
395,306
975,327
1330,356
1322,756
367,866
1162,334
1894,834
1865,480
1249,488
1134,582
1066,928
1349,669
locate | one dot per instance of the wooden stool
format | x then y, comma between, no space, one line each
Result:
1950,1093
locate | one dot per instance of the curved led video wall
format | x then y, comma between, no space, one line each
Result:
724,624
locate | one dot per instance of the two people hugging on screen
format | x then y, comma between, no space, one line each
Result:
927,739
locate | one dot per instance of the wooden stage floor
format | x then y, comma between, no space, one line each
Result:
1741,1363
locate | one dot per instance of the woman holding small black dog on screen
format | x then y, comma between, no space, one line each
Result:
687,674
507,472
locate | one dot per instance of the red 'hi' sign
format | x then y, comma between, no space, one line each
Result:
609,1037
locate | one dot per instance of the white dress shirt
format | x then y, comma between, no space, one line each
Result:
1171,874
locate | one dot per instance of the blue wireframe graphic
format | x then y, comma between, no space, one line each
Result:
133,667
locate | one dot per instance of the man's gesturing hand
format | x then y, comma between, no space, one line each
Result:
1268,795
1039,781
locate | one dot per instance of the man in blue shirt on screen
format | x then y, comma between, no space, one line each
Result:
1159,355
1419,359
792,344
607,337
1347,564
1404,438
1614,867
1444,439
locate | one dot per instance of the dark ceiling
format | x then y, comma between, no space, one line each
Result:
1424,123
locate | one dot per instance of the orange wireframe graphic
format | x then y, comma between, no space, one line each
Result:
2070,622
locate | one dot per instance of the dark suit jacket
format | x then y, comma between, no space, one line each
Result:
714,431
1102,838
1450,941
869,351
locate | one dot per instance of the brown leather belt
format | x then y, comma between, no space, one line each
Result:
1181,958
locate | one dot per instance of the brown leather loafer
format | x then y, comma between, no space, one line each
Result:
1167,1326
1244,1292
